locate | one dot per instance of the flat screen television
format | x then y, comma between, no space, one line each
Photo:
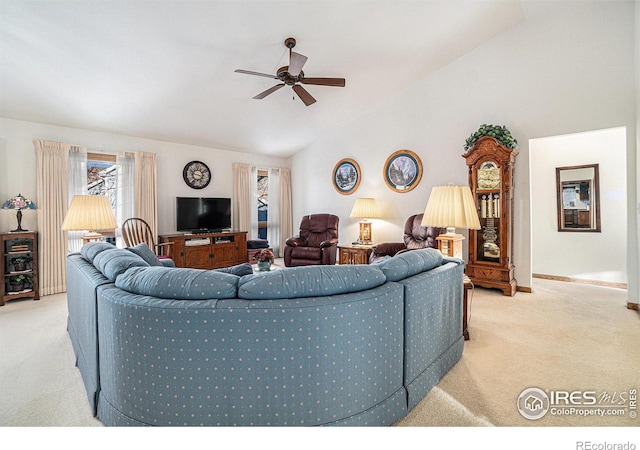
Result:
203,214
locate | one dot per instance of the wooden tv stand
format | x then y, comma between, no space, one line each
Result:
208,250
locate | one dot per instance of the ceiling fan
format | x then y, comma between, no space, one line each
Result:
292,74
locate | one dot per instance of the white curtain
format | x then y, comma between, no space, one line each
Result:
245,199
273,217
52,188
125,203
284,204
146,198
77,186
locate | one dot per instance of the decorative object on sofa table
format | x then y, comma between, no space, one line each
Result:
451,206
498,132
92,213
346,176
365,208
19,203
196,174
264,259
402,171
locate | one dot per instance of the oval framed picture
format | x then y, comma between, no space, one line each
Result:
346,176
402,171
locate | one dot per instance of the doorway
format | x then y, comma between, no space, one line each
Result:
595,258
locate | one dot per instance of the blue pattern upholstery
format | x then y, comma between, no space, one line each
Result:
144,252
407,264
315,361
115,262
314,345
308,281
178,283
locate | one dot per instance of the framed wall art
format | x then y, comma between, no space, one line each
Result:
346,176
402,171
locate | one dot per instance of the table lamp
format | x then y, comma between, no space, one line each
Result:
365,208
19,202
451,206
92,213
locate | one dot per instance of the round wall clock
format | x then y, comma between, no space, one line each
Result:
196,174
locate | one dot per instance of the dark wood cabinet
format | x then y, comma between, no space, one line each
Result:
491,248
208,250
19,266
354,254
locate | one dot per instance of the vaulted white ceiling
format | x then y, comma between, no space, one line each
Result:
164,70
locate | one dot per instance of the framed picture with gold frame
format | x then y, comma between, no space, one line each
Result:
402,171
346,176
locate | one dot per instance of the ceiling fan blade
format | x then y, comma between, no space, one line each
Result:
248,72
304,95
262,95
296,61
337,82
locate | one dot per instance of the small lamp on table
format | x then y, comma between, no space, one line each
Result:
19,203
365,208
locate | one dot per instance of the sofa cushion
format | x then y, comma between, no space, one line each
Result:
117,261
410,263
239,270
91,249
144,252
178,283
309,281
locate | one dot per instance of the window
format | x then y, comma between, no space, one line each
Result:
102,176
263,203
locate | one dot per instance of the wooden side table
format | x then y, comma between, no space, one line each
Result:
354,254
467,286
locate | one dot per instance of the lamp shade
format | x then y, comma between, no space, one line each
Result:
365,208
451,206
89,212
18,202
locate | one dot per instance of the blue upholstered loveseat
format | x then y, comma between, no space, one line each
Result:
316,345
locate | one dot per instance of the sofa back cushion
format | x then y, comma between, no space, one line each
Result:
144,252
178,283
91,249
407,264
309,281
116,261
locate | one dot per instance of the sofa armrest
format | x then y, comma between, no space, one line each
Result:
296,242
388,248
329,243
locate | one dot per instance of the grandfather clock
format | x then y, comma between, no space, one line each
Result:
491,182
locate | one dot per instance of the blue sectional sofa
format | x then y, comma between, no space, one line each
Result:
347,345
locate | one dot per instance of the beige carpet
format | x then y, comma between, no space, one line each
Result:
563,336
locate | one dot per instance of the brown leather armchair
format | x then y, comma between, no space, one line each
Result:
415,236
317,242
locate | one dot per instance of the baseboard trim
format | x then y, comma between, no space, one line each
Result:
528,290
579,280
633,306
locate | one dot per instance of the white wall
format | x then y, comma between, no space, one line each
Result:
17,166
567,68
583,255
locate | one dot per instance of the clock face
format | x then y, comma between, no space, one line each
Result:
488,175
196,174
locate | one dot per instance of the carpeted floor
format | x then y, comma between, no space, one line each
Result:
563,336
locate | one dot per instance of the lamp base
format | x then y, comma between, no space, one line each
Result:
91,236
365,233
19,217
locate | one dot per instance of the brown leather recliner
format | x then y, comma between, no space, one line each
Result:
317,242
415,236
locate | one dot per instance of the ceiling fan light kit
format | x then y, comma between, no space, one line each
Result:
292,74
